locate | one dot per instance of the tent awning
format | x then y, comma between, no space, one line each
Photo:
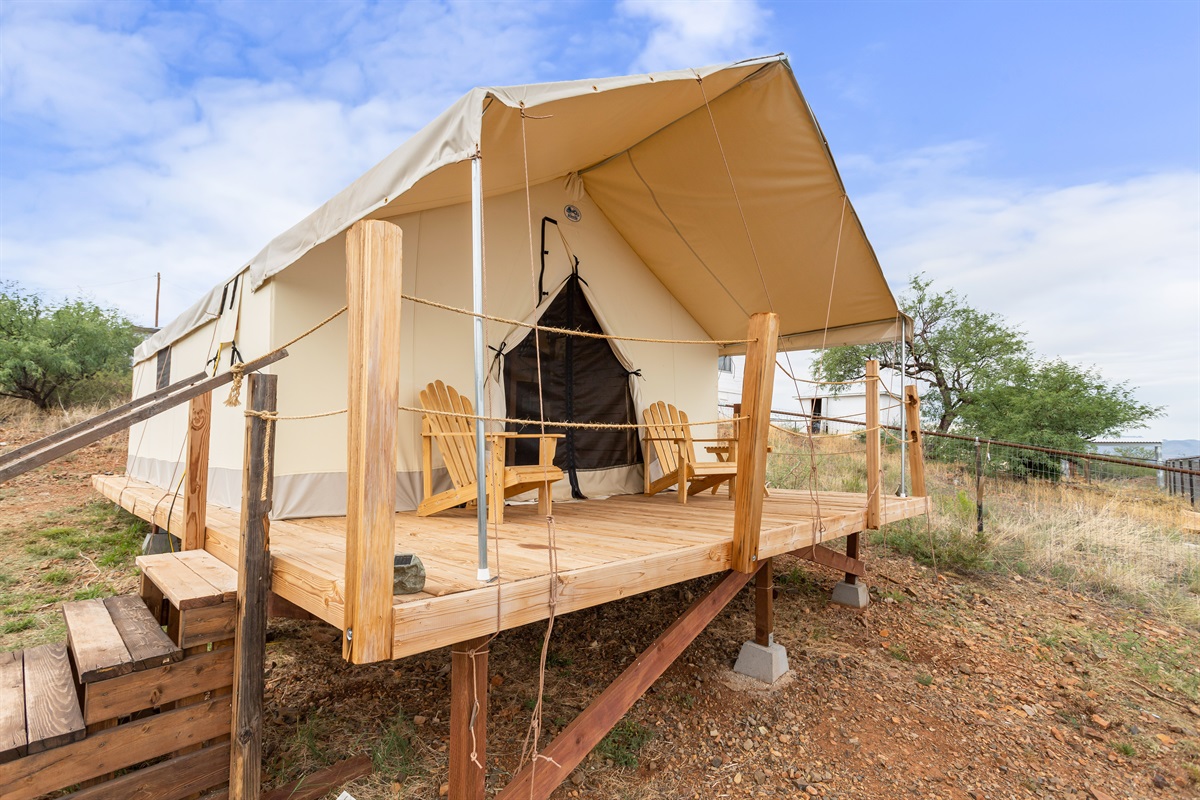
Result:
719,178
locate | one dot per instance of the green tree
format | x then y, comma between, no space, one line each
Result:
55,355
988,382
1053,404
955,348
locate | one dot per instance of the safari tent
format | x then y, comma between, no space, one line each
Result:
573,258
665,207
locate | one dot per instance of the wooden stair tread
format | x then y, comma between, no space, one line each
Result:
192,579
12,706
148,645
52,715
96,645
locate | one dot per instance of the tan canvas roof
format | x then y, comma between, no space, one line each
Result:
719,179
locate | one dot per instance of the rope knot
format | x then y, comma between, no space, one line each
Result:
235,389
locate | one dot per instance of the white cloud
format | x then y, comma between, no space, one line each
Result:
183,142
1104,274
696,32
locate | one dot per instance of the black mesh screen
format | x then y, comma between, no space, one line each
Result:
582,381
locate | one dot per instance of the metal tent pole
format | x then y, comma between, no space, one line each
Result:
484,574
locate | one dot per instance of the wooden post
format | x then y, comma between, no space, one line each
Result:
978,486
757,383
195,502
373,268
737,412
873,453
764,605
916,448
254,582
468,719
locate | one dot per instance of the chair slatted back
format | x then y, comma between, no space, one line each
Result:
454,435
665,423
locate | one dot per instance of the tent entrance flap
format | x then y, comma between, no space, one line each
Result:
582,380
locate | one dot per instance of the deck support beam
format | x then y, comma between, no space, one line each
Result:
827,557
757,384
254,583
195,501
373,271
468,719
542,776
764,605
762,658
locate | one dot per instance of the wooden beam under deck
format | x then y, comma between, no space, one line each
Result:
607,550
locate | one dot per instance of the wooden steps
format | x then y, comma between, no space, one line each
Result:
39,707
122,692
115,636
196,592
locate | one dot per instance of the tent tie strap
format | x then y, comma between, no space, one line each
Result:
567,331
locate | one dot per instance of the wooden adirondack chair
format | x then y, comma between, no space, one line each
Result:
670,436
455,437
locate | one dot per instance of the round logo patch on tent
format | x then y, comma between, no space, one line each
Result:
573,213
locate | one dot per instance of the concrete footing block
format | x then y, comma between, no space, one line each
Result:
766,664
159,541
851,595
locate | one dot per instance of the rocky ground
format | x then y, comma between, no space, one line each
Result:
954,686
968,688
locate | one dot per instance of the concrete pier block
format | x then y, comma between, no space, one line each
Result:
851,595
766,664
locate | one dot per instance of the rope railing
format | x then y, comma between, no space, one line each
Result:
564,424
567,331
1015,445
276,417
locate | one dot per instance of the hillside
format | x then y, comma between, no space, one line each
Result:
981,684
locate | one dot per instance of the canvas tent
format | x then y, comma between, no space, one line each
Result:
691,199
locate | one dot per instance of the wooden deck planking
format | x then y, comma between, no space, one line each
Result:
12,705
606,550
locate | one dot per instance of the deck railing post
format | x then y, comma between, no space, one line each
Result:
373,271
254,582
916,448
195,501
758,381
873,444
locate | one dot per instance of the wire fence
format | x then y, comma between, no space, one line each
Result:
1095,522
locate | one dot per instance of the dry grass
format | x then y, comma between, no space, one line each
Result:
33,423
1122,538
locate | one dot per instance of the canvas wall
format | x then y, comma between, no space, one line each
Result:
437,345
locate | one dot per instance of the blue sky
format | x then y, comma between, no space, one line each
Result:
1041,158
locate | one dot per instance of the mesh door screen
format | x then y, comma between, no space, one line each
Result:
581,381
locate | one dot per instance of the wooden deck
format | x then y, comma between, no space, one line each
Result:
606,550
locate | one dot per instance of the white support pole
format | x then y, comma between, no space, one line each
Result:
903,416
484,574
